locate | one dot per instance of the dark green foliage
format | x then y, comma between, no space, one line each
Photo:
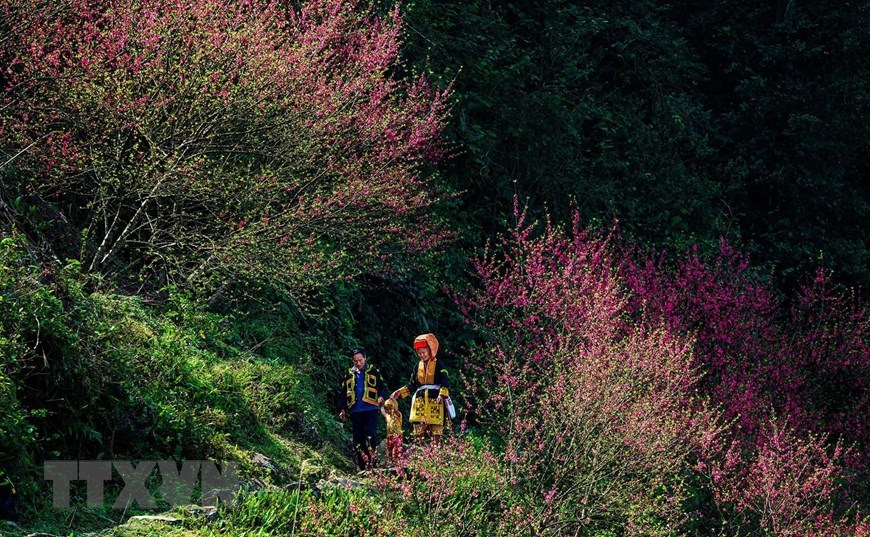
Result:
559,101
22,302
685,121
787,83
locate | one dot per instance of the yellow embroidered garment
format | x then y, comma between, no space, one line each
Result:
394,424
425,409
426,371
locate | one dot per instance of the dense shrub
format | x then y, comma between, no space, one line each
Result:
622,402
592,410
243,140
808,359
27,310
94,375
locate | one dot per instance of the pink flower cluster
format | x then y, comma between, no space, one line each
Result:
807,360
277,134
611,376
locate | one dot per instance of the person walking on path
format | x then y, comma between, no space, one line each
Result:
430,385
365,392
391,413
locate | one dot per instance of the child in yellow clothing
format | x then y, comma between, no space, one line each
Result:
394,430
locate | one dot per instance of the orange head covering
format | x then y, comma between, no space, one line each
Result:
427,340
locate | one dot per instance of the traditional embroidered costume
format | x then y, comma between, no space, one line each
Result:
429,381
394,430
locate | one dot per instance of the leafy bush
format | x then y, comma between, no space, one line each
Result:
29,312
94,375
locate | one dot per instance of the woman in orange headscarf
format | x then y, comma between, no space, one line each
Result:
430,385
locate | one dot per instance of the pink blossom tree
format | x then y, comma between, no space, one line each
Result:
806,361
784,486
252,138
590,406
793,376
626,390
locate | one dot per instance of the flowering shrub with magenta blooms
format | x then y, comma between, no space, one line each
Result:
808,360
261,138
629,393
592,409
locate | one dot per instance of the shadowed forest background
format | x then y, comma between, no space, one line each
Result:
639,231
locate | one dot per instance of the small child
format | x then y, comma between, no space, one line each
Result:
394,430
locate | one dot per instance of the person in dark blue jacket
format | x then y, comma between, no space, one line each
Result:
364,394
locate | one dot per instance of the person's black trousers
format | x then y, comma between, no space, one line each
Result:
365,436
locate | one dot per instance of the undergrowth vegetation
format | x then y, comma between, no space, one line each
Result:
94,375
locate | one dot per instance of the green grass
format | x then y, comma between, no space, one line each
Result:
87,373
